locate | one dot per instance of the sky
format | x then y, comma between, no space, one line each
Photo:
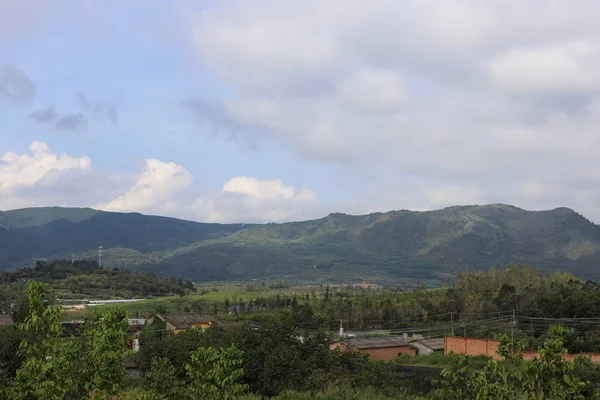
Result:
271,111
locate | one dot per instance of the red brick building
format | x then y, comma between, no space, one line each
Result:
180,322
386,348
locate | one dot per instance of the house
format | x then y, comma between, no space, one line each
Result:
6,319
180,322
382,348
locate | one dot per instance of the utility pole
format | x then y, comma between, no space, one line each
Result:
531,323
512,330
451,323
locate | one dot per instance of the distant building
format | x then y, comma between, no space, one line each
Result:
384,348
388,348
181,322
6,319
136,322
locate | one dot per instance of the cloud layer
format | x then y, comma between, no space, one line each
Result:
414,104
461,100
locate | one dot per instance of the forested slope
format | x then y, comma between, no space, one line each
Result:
392,246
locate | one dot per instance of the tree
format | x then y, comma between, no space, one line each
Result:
106,332
161,382
215,374
48,369
66,368
547,376
11,358
43,318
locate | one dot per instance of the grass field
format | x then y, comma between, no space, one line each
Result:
209,294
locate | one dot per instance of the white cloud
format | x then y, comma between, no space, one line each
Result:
375,89
450,195
18,171
154,189
259,189
574,67
247,199
49,179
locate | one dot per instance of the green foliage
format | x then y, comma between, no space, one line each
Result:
438,359
43,318
588,371
215,374
177,348
47,371
549,376
49,374
153,332
84,278
65,368
212,374
276,357
334,393
106,332
161,381
10,356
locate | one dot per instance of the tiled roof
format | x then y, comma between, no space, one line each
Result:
374,343
183,321
6,319
433,344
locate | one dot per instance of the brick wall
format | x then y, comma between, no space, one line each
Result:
470,346
486,347
388,353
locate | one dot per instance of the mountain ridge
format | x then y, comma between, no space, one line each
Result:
386,246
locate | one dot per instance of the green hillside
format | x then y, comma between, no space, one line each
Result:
29,217
128,238
383,247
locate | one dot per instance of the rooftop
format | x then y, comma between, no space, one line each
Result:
433,344
374,343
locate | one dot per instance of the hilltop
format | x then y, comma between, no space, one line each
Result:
391,246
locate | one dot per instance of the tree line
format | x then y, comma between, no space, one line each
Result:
274,359
82,278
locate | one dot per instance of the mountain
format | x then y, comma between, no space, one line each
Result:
394,246
55,233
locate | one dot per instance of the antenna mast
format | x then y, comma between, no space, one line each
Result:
100,256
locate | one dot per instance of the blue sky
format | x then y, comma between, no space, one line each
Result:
257,111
